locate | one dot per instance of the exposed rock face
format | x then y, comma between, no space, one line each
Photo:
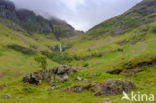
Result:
32,22
60,74
108,88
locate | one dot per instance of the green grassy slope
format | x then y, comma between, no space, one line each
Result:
14,64
134,48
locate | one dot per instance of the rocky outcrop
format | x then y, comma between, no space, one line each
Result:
60,74
108,88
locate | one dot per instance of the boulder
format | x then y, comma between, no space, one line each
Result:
52,80
114,87
63,69
33,78
61,78
76,89
60,73
108,88
78,78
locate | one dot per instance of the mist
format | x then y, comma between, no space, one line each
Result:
81,14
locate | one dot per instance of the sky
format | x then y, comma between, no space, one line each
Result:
81,14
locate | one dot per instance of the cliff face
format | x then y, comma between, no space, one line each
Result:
33,23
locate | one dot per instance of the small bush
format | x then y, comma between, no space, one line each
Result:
85,65
29,90
76,57
21,49
42,60
154,29
58,57
120,49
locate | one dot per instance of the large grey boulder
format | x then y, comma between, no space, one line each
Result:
61,78
60,74
114,87
108,88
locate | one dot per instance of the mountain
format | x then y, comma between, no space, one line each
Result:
142,13
33,23
107,57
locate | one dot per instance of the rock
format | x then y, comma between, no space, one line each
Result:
116,71
78,78
114,87
51,88
93,75
51,81
6,96
108,88
62,69
78,89
61,78
33,78
60,73
86,81
107,100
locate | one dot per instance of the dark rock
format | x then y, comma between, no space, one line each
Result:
116,71
78,89
86,81
93,75
6,96
33,78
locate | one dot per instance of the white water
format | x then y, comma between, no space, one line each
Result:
60,47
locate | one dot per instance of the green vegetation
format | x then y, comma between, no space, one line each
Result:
21,49
43,61
126,42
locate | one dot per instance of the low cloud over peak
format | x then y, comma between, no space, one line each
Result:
81,14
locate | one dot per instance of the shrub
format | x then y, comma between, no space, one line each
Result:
30,90
76,57
154,29
21,49
85,65
42,60
58,57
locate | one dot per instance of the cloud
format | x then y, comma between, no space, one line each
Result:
81,14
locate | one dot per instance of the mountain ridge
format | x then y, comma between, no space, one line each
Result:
34,23
142,13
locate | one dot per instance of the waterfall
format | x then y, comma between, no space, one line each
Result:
60,48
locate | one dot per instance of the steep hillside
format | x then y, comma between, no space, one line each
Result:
33,23
17,51
142,13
